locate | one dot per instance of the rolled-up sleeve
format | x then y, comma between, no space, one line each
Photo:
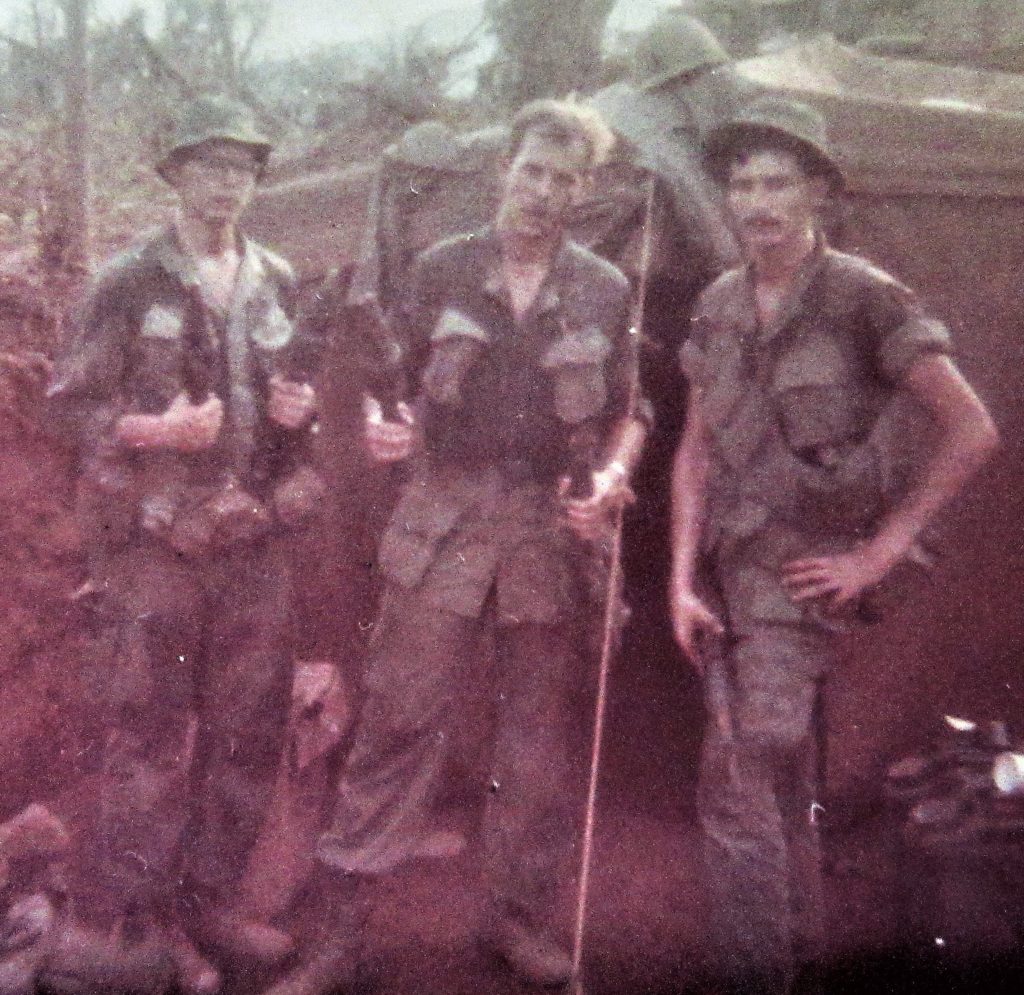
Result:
903,331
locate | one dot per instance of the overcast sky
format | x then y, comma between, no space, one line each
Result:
301,24
297,25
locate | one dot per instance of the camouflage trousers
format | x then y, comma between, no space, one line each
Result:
758,787
195,699
424,676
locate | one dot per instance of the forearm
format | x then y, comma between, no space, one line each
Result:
689,480
626,446
960,454
966,438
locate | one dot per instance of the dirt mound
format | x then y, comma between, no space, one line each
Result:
41,636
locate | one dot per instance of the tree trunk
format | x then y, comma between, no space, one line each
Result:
76,207
546,48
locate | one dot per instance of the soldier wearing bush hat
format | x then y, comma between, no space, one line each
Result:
778,123
184,390
783,518
214,118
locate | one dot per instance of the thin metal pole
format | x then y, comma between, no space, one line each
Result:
611,610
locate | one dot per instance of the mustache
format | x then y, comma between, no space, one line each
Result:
760,219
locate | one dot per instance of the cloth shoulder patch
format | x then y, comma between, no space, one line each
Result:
272,330
162,322
453,324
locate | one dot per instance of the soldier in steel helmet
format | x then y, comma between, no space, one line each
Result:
184,388
783,519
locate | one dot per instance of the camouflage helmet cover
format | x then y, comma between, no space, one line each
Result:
211,117
673,45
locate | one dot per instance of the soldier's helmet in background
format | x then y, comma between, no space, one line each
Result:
674,45
211,117
781,123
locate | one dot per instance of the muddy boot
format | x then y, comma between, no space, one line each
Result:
331,962
196,975
245,939
82,961
535,958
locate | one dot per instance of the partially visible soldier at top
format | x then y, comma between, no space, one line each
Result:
748,27
184,389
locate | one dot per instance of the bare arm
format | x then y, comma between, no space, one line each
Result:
589,516
690,617
967,437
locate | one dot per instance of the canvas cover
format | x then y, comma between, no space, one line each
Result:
907,127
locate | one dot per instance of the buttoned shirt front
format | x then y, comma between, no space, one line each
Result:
795,412
507,408
146,332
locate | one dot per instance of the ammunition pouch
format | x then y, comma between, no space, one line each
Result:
457,343
576,363
229,517
298,500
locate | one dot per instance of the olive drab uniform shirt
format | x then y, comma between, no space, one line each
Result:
507,409
792,411
144,334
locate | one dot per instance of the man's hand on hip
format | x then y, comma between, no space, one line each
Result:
842,577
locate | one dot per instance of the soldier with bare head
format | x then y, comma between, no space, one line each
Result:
184,391
519,446
782,520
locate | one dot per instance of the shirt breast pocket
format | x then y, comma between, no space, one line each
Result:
825,419
158,374
457,343
576,364
820,401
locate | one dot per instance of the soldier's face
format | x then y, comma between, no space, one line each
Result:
216,182
541,185
773,202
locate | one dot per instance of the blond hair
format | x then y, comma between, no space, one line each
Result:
564,122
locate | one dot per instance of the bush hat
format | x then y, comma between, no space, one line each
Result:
775,122
214,117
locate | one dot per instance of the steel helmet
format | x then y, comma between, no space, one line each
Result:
675,44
